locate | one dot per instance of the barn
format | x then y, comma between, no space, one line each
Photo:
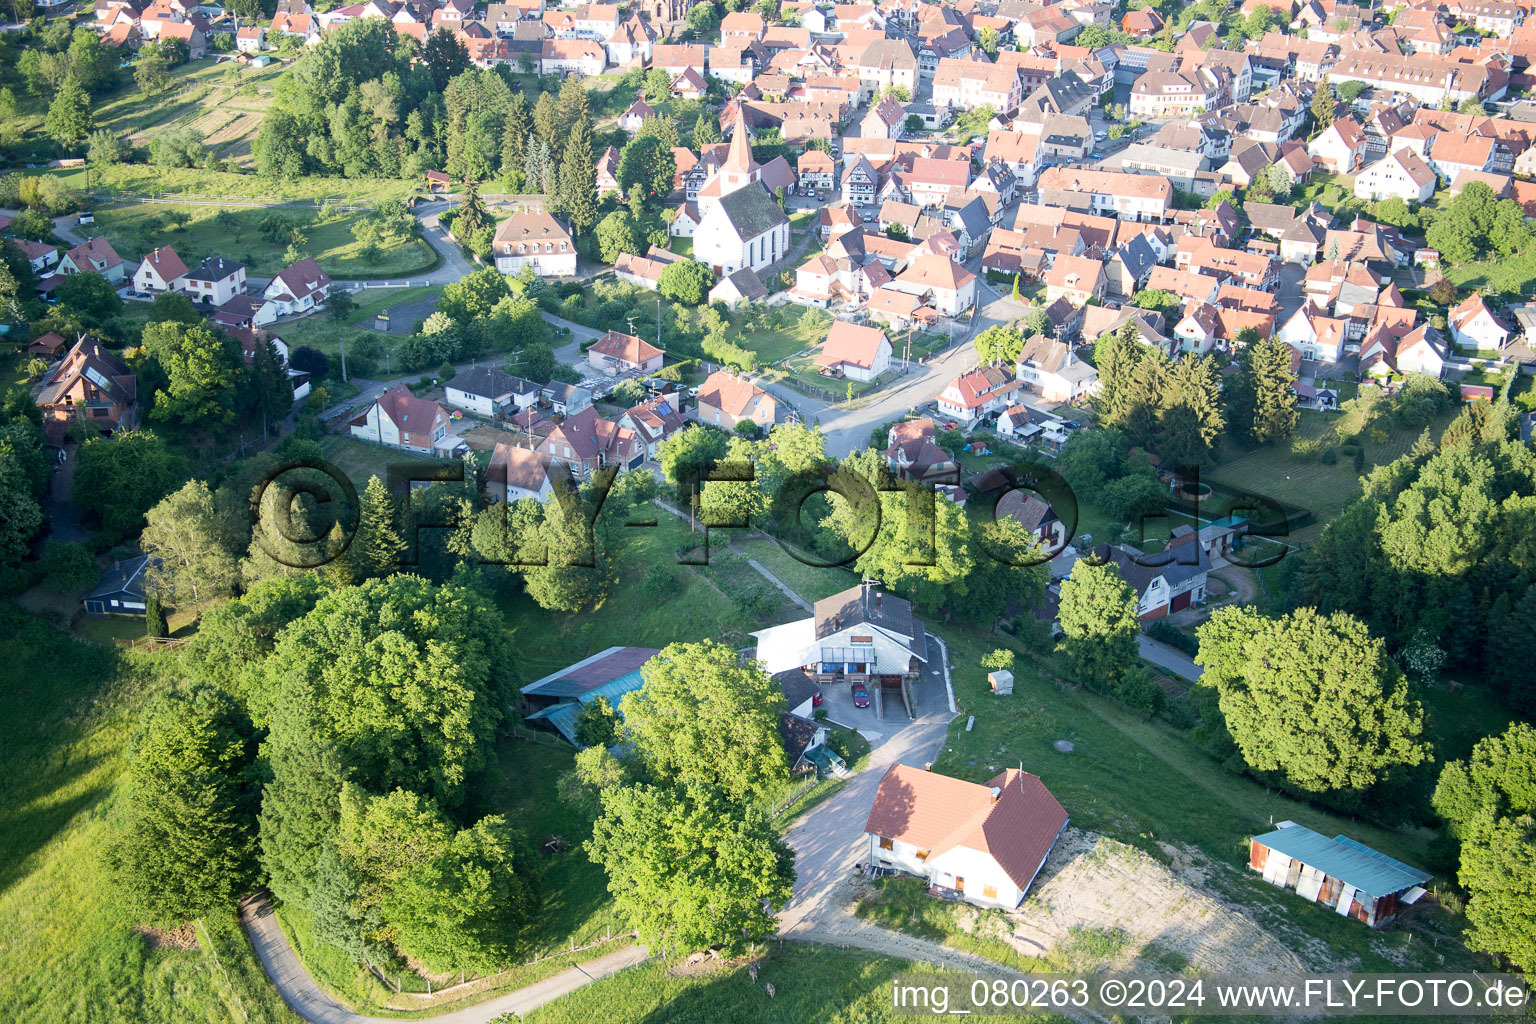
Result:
1355,880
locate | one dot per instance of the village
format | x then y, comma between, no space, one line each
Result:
968,451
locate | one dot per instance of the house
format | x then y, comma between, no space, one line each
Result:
572,57
912,454
1036,515
815,170
725,400
859,635
1476,326
534,239
1054,370
742,286
984,844
93,256
586,443
1340,148
1165,582
1314,334
215,281
90,384
300,288
939,282
635,116
120,590
516,473
616,352
243,310
884,120
160,271
1078,279
565,399
251,38
854,351
977,393
399,419
860,181
1403,175
40,255
46,346
887,63
1353,879
490,391
1138,197
968,84
1385,352
653,421
557,699
745,228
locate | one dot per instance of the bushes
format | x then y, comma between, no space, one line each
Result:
1174,637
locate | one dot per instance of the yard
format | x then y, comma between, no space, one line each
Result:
1146,784
235,233
360,460
1278,471
1513,276
323,333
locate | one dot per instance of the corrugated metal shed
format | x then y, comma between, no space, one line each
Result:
1367,870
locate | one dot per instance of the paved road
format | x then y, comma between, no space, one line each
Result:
310,1002
1169,659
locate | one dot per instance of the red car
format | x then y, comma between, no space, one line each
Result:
816,699
860,695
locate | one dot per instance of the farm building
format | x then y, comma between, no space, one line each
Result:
1339,872
557,699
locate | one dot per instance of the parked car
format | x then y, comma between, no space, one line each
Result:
816,699
860,695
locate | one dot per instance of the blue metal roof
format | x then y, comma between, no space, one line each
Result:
1369,871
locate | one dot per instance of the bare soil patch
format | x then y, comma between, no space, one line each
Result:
183,938
1096,885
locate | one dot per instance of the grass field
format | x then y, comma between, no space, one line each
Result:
69,951
1513,276
323,333
362,461
1145,783
138,228
1305,480
811,983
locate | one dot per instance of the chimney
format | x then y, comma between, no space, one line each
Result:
997,793
928,766
878,596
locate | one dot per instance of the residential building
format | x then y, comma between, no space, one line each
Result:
938,282
653,421
572,57
1140,197
1474,325
1164,94
860,181
585,442
1051,368
299,289
816,170
565,399
1340,148
490,391
968,84
616,352
1165,582
1078,279
160,271
120,590
912,454
725,400
89,384
215,281
398,419
1403,175
93,256
978,393
855,352
859,635
534,239
985,844
516,473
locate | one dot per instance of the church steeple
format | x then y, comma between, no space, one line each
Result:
739,169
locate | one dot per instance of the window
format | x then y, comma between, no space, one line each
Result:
922,854
960,882
885,844
989,892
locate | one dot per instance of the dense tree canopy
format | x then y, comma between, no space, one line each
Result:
1489,804
1314,699
186,842
120,477
702,715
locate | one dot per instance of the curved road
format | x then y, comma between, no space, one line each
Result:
310,1002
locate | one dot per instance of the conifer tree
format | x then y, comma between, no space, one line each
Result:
705,132
377,546
578,179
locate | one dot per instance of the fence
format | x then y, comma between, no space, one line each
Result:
464,983
200,199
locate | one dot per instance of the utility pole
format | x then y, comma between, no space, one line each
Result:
343,340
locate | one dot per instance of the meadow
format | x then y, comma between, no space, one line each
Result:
135,229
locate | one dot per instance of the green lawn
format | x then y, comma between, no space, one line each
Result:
811,983
1145,782
1512,276
1275,471
70,951
135,229
141,179
323,333
361,460
780,333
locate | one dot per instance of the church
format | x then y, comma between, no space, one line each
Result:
740,223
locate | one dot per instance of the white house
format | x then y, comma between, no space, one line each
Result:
301,288
940,282
516,473
399,419
534,239
1314,334
160,271
855,352
859,635
1340,147
1403,175
984,390
490,391
984,843
1053,369
1475,326
216,280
